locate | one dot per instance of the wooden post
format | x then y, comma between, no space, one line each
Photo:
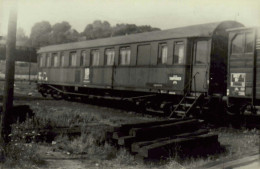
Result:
30,59
9,74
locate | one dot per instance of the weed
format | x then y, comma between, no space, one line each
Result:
20,153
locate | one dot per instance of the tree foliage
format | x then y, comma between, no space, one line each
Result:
43,33
62,33
99,29
40,34
125,29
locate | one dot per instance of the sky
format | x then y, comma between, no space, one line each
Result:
164,14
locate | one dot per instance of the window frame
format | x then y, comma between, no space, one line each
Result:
174,48
55,55
105,56
245,47
71,58
160,54
82,60
92,56
126,48
63,59
243,43
195,44
43,57
49,62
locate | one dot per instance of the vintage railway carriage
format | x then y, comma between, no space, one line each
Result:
171,64
244,70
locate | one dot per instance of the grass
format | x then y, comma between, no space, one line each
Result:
92,145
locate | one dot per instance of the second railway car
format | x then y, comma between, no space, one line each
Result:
161,69
243,89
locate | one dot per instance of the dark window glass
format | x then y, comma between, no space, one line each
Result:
125,55
201,52
143,55
163,53
109,56
249,42
237,44
178,53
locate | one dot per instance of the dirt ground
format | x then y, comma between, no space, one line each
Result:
237,142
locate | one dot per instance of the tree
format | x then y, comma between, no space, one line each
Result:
20,35
72,35
97,29
40,34
21,38
125,29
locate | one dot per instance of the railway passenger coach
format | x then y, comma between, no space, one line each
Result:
161,69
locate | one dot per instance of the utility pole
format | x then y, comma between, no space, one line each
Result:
30,66
9,73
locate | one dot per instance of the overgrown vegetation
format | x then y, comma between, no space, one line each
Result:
91,146
22,150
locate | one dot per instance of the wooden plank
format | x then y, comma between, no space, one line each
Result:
190,125
126,141
124,129
137,145
161,149
165,130
127,127
118,134
113,129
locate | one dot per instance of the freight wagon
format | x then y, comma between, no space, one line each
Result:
243,87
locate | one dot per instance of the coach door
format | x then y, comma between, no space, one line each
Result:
200,62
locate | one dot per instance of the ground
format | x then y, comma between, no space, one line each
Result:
88,150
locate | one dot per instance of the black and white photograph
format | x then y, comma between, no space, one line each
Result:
129,84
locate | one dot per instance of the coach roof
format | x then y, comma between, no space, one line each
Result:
201,30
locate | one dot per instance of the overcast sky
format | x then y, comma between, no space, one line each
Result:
163,14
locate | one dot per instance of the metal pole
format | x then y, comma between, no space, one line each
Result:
9,74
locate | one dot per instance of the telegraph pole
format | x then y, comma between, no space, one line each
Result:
9,73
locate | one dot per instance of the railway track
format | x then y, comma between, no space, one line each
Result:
248,120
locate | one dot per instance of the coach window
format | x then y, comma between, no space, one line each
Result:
83,58
95,57
163,53
42,60
178,57
73,58
249,42
125,55
48,60
62,59
109,56
55,59
237,44
201,53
